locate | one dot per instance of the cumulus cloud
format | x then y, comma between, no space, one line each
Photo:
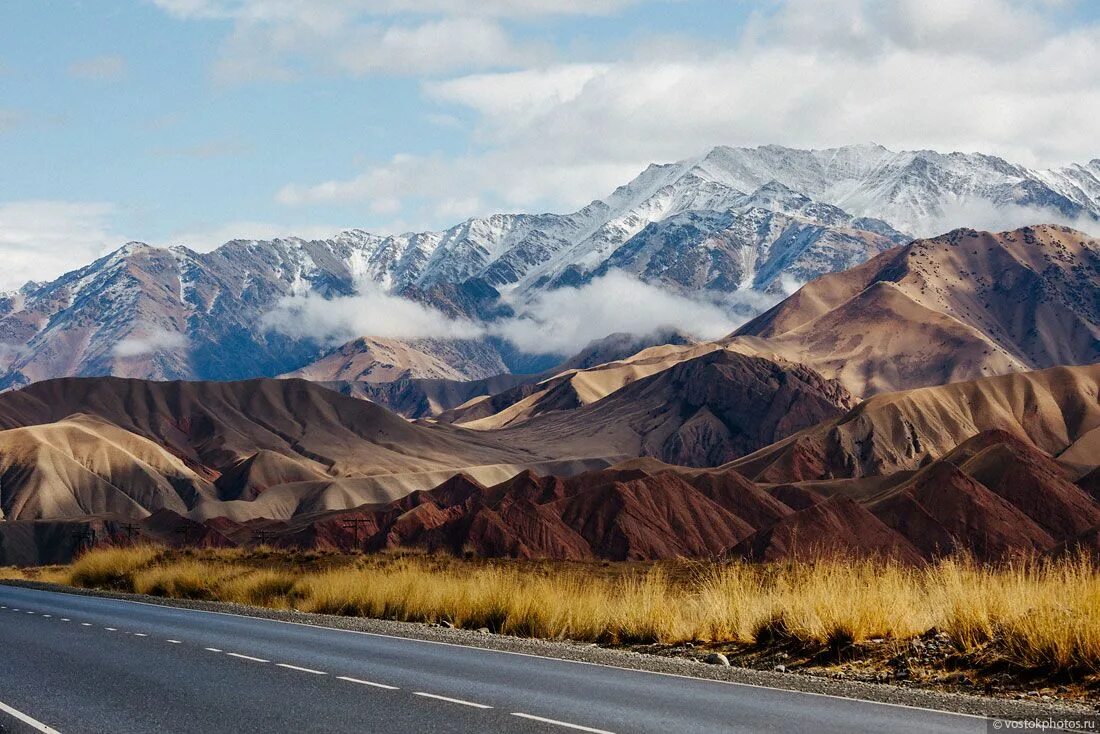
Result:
149,340
40,240
370,312
358,37
102,68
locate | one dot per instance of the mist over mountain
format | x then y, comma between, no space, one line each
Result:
699,245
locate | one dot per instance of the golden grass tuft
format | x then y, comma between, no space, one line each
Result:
1035,615
111,568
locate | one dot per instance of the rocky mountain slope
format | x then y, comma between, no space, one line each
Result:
278,448
963,305
994,496
755,220
1053,409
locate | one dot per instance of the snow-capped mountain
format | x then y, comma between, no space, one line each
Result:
733,219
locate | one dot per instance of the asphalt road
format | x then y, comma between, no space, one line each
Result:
73,663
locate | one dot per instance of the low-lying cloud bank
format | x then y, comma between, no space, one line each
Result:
559,322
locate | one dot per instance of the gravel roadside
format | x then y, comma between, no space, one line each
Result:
898,694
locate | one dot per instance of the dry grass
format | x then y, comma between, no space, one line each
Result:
1038,615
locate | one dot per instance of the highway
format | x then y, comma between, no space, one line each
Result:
71,663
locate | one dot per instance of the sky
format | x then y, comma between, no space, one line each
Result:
196,121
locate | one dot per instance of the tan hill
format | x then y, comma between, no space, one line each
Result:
572,387
421,397
960,306
82,465
1052,409
289,445
377,360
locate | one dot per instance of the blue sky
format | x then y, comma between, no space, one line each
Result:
192,121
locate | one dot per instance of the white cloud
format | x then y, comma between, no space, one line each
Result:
563,321
984,215
281,40
103,68
371,312
149,340
40,240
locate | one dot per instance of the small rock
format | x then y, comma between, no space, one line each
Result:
717,658
483,630
783,656
781,668
689,645
449,625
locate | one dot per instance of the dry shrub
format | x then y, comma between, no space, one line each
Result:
1034,615
186,579
111,567
264,588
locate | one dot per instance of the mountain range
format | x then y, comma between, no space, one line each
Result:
731,222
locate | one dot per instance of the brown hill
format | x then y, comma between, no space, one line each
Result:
700,412
960,306
1051,409
836,528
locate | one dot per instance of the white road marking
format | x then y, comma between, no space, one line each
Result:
247,657
47,615
474,648
111,629
212,649
33,723
303,670
30,612
368,683
85,624
566,724
175,642
140,634
452,700
63,619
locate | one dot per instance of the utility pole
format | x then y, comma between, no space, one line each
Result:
84,536
129,528
355,523
184,531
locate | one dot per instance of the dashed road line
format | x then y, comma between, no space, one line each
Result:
452,700
85,624
175,642
247,657
300,669
29,721
367,683
140,634
211,649
111,629
63,619
565,724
